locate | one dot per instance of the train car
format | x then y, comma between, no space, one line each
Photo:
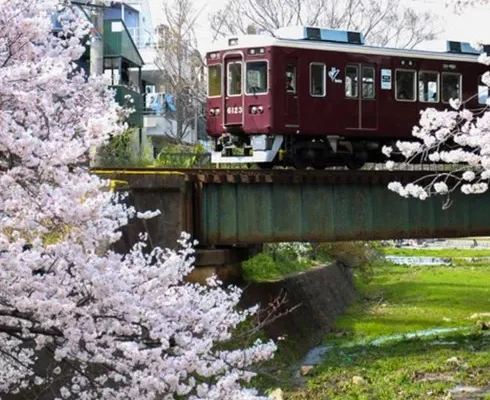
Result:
313,97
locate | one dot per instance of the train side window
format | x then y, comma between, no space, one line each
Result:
291,78
351,81
214,80
318,79
368,83
483,92
451,86
405,85
256,77
235,78
428,87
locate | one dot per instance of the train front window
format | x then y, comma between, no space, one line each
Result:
318,74
451,86
429,87
291,78
234,78
256,77
367,82
405,85
214,80
351,81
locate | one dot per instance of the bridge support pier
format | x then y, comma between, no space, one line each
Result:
225,263
176,197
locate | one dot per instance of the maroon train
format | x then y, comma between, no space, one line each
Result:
320,97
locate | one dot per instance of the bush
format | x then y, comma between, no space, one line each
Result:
124,151
276,261
358,255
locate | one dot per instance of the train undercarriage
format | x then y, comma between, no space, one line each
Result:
298,151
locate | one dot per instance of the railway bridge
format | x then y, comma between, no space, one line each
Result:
230,210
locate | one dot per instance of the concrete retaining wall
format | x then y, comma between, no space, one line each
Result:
323,293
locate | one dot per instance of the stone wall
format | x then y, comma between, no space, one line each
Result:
323,293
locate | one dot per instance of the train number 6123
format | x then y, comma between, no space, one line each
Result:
234,110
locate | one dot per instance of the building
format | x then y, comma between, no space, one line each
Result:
160,115
130,51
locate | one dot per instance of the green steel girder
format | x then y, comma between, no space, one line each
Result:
282,212
228,207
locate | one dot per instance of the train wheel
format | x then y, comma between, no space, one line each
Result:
319,161
265,165
354,163
299,160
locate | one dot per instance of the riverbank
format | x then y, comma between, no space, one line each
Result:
449,303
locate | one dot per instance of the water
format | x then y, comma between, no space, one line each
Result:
315,356
411,335
405,260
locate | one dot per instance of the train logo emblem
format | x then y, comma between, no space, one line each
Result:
333,73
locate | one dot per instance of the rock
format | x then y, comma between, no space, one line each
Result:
483,325
358,380
480,315
454,361
306,369
277,394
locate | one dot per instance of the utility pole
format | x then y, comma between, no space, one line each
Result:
97,39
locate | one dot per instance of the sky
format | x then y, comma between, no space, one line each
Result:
470,26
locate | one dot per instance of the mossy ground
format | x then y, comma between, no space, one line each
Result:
401,300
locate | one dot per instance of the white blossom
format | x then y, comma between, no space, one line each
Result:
469,176
387,150
119,325
441,187
390,165
475,188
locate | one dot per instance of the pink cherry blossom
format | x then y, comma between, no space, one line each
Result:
119,326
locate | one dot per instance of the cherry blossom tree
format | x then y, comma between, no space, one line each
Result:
458,137
78,320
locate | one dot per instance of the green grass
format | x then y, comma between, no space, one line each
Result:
415,369
399,300
447,253
263,267
405,299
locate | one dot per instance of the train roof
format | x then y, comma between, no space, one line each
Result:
345,41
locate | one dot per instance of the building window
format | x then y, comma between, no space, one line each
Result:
405,85
429,87
291,78
451,86
214,80
368,82
257,77
482,92
351,81
234,78
318,75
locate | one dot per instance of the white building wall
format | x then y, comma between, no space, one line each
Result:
146,38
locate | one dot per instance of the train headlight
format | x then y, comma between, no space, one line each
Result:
212,111
216,111
260,109
253,110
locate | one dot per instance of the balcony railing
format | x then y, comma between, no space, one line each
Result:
136,118
142,38
119,43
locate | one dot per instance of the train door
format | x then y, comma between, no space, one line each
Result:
233,89
360,93
291,116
